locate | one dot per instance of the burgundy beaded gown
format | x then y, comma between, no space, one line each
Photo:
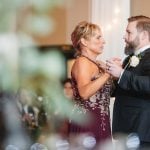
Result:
98,107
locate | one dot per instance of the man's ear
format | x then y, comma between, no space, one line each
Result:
145,35
83,41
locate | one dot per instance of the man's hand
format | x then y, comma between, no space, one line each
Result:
114,67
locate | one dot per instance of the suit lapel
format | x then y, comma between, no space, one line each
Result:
127,61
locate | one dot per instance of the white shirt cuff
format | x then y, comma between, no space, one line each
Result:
120,76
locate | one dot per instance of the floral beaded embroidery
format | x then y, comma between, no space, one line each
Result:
101,100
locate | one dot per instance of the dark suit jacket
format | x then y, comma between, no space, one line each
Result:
132,104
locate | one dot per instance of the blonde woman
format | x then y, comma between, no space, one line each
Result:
91,83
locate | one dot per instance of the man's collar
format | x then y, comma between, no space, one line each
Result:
141,50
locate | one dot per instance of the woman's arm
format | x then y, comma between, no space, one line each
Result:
83,72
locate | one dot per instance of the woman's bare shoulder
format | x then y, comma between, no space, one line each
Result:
81,63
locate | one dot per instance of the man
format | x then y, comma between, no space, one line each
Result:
132,104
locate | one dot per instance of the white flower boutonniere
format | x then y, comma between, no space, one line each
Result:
134,61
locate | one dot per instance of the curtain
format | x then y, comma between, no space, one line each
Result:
112,16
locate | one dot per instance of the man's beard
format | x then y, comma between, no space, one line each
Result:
128,50
131,46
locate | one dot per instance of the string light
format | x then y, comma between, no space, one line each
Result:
108,27
117,10
114,20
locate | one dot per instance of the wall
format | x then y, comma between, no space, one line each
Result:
65,18
58,35
77,10
140,7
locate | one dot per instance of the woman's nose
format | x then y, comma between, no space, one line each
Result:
104,41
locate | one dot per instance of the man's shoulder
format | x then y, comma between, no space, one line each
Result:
146,52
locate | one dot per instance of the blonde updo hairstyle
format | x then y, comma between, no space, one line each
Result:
83,30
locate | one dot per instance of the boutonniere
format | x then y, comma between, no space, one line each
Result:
135,60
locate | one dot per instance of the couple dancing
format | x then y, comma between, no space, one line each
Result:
92,82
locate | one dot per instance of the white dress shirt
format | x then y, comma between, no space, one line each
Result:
141,50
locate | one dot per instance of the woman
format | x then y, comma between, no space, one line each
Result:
91,84
68,88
